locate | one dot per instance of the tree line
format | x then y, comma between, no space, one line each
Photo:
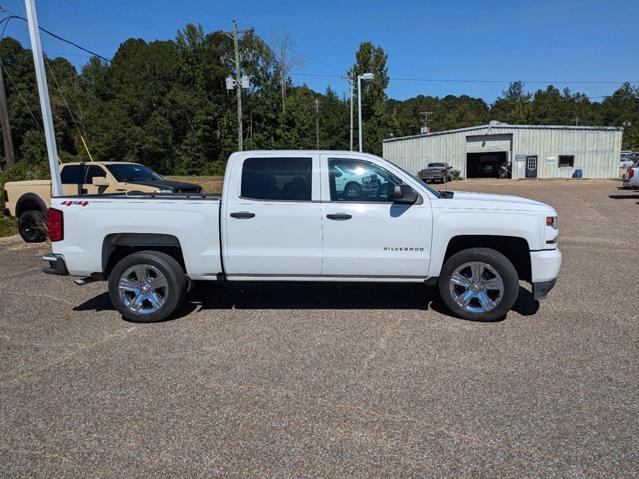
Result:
165,104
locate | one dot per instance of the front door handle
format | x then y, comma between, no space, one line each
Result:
339,217
243,215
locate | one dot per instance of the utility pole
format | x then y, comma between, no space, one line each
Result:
43,91
424,117
317,124
239,82
7,141
238,88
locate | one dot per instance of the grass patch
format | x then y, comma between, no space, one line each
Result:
8,226
210,184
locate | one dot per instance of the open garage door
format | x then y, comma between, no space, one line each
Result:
487,165
488,156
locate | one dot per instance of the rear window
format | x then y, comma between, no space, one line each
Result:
71,175
94,171
284,179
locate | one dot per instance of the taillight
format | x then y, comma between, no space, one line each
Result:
55,224
631,173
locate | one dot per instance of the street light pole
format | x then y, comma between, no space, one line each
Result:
350,82
365,76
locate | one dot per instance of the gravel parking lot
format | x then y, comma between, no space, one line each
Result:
333,380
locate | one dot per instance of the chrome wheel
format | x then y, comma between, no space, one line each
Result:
143,289
476,287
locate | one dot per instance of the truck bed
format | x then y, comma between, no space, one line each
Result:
188,220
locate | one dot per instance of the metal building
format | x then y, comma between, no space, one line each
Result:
518,151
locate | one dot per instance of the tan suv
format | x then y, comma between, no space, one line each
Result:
29,200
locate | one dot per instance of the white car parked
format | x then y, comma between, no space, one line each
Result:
288,216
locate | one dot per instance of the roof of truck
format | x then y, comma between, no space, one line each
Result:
100,163
302,152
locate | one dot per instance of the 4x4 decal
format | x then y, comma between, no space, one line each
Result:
72,203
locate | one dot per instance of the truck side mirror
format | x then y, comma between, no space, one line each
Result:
404,194
99,181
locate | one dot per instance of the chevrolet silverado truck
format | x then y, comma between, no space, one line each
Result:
28,200
283,216
437,172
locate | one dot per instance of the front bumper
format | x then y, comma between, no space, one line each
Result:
544,266
541,290
56,264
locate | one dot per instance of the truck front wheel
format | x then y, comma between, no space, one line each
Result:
479,284
147,286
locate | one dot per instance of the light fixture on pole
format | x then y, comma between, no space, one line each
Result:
365,76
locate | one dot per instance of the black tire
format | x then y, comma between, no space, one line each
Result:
495,261
172,295
32,226
352,191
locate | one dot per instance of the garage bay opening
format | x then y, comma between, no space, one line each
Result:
493,164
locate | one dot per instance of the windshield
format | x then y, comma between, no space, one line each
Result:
133,172
435,165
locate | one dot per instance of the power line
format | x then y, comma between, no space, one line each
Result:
54,35
440,80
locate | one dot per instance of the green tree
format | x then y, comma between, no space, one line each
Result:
514,106
372,59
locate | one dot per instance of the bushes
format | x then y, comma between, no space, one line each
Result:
457,175
8,226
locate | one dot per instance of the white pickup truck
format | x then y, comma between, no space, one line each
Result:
285,216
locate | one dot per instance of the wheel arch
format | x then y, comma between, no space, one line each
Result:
515,248
119,245
30,202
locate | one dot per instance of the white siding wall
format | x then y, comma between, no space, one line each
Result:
596,151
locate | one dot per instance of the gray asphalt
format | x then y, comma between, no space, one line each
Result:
332,380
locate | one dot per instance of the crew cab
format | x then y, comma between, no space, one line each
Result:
28,200
284,216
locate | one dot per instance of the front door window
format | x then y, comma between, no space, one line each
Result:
360,181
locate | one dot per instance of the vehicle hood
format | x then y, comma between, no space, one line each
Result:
486,201
176,186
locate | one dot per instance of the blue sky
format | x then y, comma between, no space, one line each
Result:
535,41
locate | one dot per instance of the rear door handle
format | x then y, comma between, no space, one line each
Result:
243,215
339,217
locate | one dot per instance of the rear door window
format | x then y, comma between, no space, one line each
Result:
283,179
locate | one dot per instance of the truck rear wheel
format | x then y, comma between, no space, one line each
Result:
479,284
147,287
32,226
